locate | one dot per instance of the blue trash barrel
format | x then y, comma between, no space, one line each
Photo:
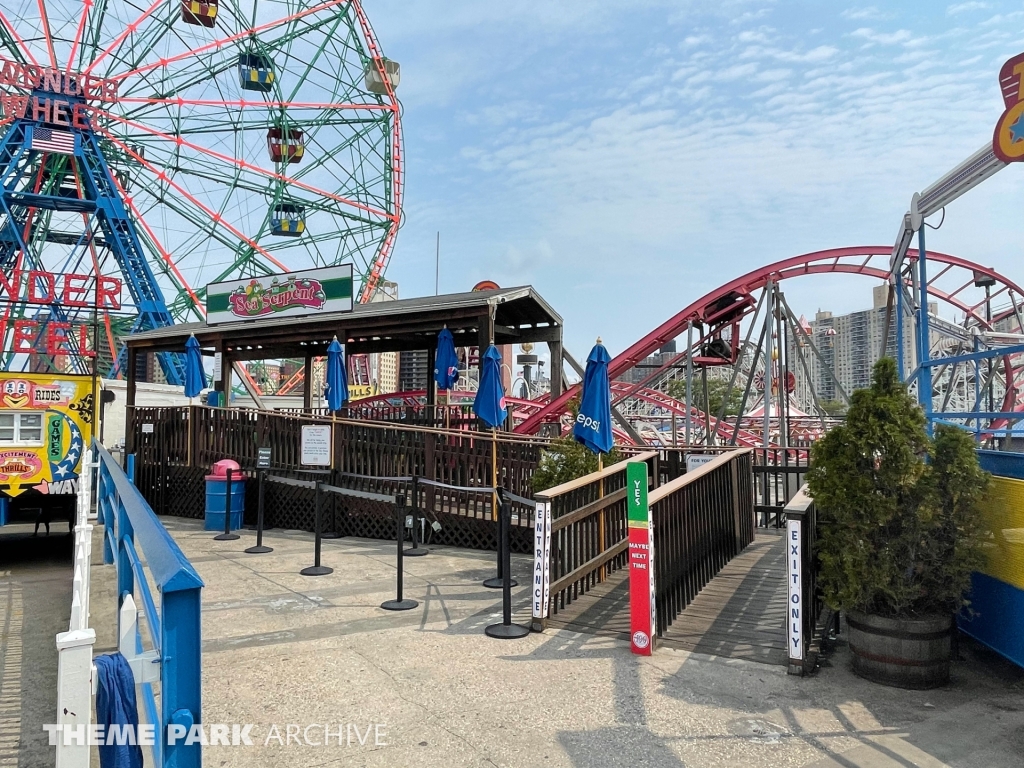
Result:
217,494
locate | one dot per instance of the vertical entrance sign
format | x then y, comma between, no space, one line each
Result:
541,595
795,607
641,561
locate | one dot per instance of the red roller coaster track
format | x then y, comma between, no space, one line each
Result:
738,296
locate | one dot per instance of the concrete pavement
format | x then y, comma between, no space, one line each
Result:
428,688
35,604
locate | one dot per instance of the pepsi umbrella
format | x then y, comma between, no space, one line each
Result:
593,425
195,376
337,381
489,404
446,361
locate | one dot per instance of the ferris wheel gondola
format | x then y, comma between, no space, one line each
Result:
178,144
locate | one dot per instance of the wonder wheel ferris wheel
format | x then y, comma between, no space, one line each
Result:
155,148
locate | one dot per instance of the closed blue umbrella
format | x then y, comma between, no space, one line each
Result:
195,376
593,425
489,404
446,361
337,381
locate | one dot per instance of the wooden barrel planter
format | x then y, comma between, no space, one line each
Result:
905,653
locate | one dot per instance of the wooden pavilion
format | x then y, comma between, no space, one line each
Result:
475,319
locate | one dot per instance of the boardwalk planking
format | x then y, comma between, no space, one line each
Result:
740,614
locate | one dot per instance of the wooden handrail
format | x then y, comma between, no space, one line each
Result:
693,476
502,437
801,501
579,482
590,566
586,511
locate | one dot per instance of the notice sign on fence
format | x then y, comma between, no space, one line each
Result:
316,445
695,460
641,561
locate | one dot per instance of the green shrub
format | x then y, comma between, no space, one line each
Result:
565,459
898,535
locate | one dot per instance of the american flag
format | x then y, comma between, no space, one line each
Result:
49,140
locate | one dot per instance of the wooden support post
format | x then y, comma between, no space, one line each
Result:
226,372
307,384
218,371
133,358
130,394
430,469
484,336
736,512
431,387
555,348
191,435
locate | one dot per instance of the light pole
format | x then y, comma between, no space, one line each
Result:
986,281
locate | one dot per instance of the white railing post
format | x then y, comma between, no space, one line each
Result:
74,696
75,675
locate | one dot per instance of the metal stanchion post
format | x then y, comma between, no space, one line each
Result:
499,581
333,533
316,569
259,549
227,535
399,604
506,630
417,550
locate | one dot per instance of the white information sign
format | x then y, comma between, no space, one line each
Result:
541,560
795,607
316,445
218,365
695,460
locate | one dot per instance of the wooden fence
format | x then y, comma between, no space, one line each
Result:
701,521
589,535
175,448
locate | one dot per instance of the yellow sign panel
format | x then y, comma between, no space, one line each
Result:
1008,138
46,423
360,391
1004,520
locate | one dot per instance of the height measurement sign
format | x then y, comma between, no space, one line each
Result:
641,561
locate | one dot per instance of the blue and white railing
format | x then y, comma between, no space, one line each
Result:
74,647
169,652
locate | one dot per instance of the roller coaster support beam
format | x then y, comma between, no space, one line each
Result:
924,373
969,174
689,378
770,298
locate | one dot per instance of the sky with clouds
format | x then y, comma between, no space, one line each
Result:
627,157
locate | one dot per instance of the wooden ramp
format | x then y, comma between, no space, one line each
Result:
740,614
